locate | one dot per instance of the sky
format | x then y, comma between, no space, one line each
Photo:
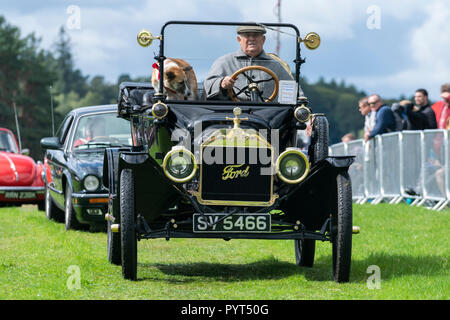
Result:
389,47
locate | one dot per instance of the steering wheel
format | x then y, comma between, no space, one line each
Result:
253,85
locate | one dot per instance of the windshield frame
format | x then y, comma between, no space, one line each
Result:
160,58
75,125
11,140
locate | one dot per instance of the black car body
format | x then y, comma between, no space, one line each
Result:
74,165
165,186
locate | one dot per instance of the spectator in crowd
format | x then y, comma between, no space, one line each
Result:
442,108
420,116
348,137
384,117
399,111
369,116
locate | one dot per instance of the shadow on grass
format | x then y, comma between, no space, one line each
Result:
269,268
391,266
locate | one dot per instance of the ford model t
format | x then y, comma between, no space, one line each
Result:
231,164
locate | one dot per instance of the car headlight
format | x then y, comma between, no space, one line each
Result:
179,165
292,166
91,183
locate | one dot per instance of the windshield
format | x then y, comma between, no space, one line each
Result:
208,55
7,142
101,131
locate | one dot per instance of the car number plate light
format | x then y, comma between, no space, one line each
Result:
238,222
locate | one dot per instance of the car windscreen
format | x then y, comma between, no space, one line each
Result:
7,142
215,52
101,130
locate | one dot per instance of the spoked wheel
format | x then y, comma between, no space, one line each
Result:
128,237
318,148
304,252
341,229
70,220
51,211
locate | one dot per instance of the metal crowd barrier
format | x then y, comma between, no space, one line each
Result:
409,165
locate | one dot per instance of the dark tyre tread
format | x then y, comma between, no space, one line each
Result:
341,225
114,253
304,252
318,148
128,225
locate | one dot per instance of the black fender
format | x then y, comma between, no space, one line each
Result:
315,198
154,192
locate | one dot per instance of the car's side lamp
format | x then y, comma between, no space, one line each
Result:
160,110
302,114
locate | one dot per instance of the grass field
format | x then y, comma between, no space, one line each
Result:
410,246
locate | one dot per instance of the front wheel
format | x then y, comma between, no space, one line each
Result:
341,229
318,148
128,237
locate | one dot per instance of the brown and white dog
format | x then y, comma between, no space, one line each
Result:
180,82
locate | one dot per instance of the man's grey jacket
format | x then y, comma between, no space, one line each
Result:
230,63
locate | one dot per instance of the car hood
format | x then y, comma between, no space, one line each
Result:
16,169
87,162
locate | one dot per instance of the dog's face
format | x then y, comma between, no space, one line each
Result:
176,79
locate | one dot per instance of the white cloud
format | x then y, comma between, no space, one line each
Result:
429,47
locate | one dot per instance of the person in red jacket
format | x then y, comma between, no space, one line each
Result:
442,108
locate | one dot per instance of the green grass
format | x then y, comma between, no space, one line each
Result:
409,245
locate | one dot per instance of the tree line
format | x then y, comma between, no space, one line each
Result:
30,75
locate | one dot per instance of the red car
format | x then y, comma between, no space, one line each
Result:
21,180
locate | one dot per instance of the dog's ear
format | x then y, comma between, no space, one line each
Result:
170,75
187,68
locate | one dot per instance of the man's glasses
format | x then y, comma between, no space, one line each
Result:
372,103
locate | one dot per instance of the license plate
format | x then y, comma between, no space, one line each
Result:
20,195
238,222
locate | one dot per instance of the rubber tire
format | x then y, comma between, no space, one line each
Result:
70,219
304,252
128,237
52,212
341,229
318,148
113,245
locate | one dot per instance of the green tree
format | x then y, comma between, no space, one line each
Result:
25,76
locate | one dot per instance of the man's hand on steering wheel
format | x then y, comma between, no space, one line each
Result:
227,83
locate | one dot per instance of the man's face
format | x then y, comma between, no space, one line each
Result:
364,109
251,43
420,99
375,103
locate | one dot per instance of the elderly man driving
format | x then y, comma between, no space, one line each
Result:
251,53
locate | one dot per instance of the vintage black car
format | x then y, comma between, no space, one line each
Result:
226,169
74,165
